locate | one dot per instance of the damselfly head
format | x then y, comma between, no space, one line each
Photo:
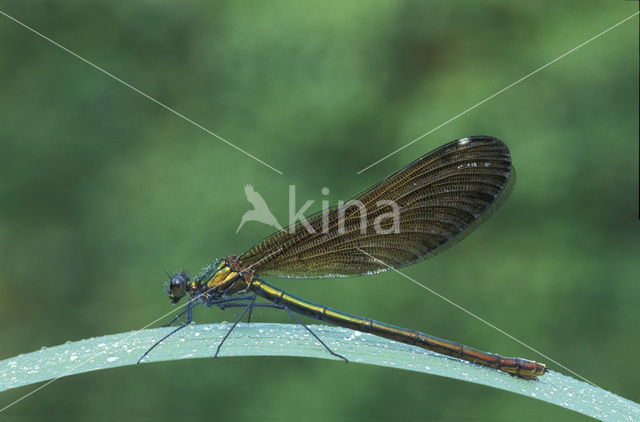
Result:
178,285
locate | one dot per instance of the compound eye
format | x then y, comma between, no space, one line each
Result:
177,286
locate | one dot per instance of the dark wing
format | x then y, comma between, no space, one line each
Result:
441,197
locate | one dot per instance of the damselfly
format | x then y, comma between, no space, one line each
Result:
415,213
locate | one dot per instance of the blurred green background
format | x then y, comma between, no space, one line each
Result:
102,190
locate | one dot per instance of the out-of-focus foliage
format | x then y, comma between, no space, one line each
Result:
101,190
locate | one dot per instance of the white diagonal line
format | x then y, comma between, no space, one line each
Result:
127,337
497,93
476,317
102,352
139,92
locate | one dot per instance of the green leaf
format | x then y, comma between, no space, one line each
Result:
199,341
